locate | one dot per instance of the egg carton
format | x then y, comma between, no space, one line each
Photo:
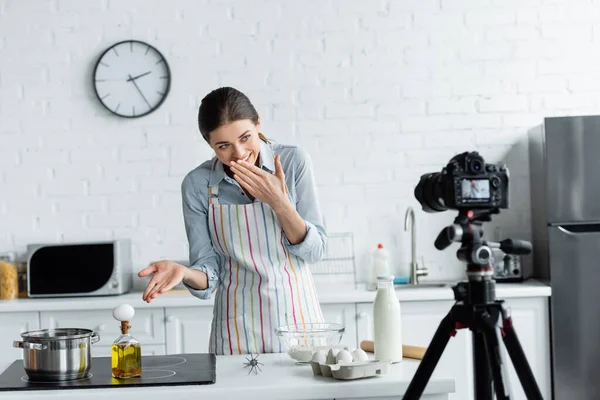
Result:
343,364
352,370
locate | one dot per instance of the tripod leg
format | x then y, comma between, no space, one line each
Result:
430,359
496,360
481,368
519,361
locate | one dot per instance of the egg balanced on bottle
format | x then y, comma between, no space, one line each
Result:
126,350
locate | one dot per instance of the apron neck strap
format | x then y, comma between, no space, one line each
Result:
213,194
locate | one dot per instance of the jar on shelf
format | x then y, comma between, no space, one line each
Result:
22,277
9,277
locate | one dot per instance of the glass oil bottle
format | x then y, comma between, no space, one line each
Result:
126,350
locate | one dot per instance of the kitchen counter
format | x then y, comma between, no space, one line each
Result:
182,298
280,379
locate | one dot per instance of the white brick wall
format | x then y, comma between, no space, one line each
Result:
378,91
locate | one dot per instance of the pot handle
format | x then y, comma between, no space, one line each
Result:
27,345
95,337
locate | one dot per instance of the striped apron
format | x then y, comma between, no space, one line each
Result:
261,285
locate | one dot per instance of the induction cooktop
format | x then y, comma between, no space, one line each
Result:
172,369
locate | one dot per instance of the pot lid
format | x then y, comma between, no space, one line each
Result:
58,333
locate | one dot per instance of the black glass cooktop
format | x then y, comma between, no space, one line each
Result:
172,369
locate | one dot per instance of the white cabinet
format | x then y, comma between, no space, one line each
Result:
420,320
530,320
364,322
147,325
12,324
344,314
188,329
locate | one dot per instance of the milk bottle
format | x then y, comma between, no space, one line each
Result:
387,321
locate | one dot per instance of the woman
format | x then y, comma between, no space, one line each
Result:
253,223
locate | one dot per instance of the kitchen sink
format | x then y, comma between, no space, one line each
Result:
424,285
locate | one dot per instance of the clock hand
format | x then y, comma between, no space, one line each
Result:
138,89
108,79
139,76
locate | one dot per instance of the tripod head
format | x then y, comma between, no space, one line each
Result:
476,252
468,230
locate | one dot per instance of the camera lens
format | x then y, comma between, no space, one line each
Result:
429,192
476,165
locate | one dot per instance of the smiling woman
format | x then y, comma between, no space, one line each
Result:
253,222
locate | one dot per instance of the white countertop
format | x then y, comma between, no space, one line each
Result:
182,298
280,379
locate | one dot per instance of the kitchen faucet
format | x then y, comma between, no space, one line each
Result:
415,271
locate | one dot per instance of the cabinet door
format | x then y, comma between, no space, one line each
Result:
420,320
188,329
147,325
344,314
530,320
364,322
12,324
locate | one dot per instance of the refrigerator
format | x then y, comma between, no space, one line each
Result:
565,203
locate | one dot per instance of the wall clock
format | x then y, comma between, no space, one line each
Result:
132,79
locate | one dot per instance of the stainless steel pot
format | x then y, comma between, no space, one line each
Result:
57,354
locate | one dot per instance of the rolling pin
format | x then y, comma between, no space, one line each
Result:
416,352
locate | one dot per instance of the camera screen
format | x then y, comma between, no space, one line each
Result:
475,189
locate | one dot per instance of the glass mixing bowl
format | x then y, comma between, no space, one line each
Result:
301,340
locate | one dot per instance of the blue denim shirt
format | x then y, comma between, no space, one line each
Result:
299,177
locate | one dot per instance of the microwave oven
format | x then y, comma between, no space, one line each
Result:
79,269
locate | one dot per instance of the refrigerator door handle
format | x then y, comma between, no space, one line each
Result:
579,229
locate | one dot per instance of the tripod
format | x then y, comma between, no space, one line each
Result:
478,309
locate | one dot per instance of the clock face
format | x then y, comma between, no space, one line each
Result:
132,79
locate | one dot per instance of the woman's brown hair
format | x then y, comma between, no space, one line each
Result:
223,106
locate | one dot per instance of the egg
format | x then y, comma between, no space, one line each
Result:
320,356
123,312
331,357
343,356
359,355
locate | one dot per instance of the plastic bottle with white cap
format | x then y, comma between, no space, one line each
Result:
387,321
380,266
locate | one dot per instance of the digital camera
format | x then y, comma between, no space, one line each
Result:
467,182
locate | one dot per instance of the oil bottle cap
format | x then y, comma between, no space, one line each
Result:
380,246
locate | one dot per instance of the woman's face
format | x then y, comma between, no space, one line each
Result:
236,141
